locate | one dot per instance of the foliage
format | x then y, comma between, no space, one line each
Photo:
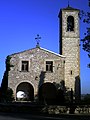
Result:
86,99
4,85
9,95
6,96
86,39
64,94
8,65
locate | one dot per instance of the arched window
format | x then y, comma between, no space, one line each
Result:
70,23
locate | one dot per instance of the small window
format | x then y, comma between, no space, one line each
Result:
71,72
25,66
70,23
49,66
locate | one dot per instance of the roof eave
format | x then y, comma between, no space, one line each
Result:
53,52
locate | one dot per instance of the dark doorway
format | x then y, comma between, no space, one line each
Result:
60,97
47,93
27,90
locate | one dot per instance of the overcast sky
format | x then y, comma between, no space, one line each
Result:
22,20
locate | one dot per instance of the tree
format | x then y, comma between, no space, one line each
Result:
64,94
86,39
9,95
86,99
4,85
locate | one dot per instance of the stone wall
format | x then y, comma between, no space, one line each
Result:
37,74
70,41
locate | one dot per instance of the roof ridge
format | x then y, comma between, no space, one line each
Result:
41,49
21,51
52,52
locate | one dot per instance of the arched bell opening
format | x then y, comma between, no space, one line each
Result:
70,23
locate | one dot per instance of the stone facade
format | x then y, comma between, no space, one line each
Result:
37,74
69,43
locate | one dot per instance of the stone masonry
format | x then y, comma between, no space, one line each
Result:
70,41
37,58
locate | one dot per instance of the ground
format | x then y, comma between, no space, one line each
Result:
20,116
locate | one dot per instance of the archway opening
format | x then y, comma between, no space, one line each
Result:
25,92
47,93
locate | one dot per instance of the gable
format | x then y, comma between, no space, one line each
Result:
36,58
39,52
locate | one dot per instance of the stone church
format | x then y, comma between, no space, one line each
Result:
38,72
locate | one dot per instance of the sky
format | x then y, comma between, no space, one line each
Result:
22,20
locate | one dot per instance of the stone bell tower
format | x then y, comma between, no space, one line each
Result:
69,47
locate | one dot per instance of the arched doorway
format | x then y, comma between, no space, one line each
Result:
47,93
25,92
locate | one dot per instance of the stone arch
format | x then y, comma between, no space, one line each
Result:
47,93
70,23
27,89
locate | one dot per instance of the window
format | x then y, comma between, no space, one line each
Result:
49,66
71,72
70,23
25,66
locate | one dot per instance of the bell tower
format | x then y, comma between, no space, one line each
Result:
69,39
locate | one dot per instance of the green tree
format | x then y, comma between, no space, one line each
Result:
4,85
86,99
86,39
9,95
